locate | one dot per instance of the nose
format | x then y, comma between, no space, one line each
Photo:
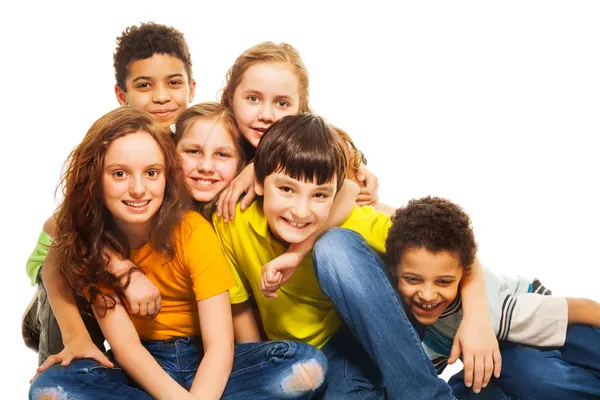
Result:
426,293
301,208
161,94
137,187
266,113
206,164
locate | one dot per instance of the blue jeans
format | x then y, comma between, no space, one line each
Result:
568,372
261,370
356,280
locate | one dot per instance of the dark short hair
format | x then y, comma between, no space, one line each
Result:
303,147
144,41
434,224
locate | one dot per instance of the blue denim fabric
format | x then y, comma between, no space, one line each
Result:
260,371
351,374
356,280
568,372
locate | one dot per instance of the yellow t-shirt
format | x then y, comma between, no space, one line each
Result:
302,311
197,271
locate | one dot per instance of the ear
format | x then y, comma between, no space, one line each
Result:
192,90
121,96
258,188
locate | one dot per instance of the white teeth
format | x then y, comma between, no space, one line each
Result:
296,224
427,306
138,204
204,182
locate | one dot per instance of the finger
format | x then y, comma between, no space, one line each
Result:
102,359
134,308
143,309
468,369
66,361
455,352
497,357
248,198
157,306
220,202
488,369
150,308
50,361
366,199
225,206
233,199
478,372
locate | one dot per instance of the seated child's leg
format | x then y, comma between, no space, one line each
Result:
356,280
351,374
82,380
582,348
275,370
491,392
543,373
50,336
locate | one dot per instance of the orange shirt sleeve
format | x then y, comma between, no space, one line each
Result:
204,258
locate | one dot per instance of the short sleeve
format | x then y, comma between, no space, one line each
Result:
239,293
204,259
37,257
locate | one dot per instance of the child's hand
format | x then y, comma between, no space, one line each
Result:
368,187
243,183
142,296
75,349
476,340
277,272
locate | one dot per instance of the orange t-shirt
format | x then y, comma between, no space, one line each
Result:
196,272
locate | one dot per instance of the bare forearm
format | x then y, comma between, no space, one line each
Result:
138,363
245,327
583,311
62,299
213,373
473,293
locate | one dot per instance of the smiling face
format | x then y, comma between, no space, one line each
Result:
295,209
428,282
210,158
133,181
159,85
266,93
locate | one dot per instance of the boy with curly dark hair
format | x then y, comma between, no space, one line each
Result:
430,247
153,72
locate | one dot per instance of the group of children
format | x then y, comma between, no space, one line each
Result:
304,289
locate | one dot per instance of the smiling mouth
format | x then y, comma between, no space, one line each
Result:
136,204
204,182
427,307
297,225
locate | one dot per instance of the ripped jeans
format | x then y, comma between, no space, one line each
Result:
263,370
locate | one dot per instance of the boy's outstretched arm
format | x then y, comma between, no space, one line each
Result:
279,270
583,311
475,338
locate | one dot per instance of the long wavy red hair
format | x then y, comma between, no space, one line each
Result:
85,227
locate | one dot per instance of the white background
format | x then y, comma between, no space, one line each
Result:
493,105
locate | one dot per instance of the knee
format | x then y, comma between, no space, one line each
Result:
47,389
304,376
335,238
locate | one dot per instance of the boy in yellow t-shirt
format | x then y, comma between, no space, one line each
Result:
300,165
